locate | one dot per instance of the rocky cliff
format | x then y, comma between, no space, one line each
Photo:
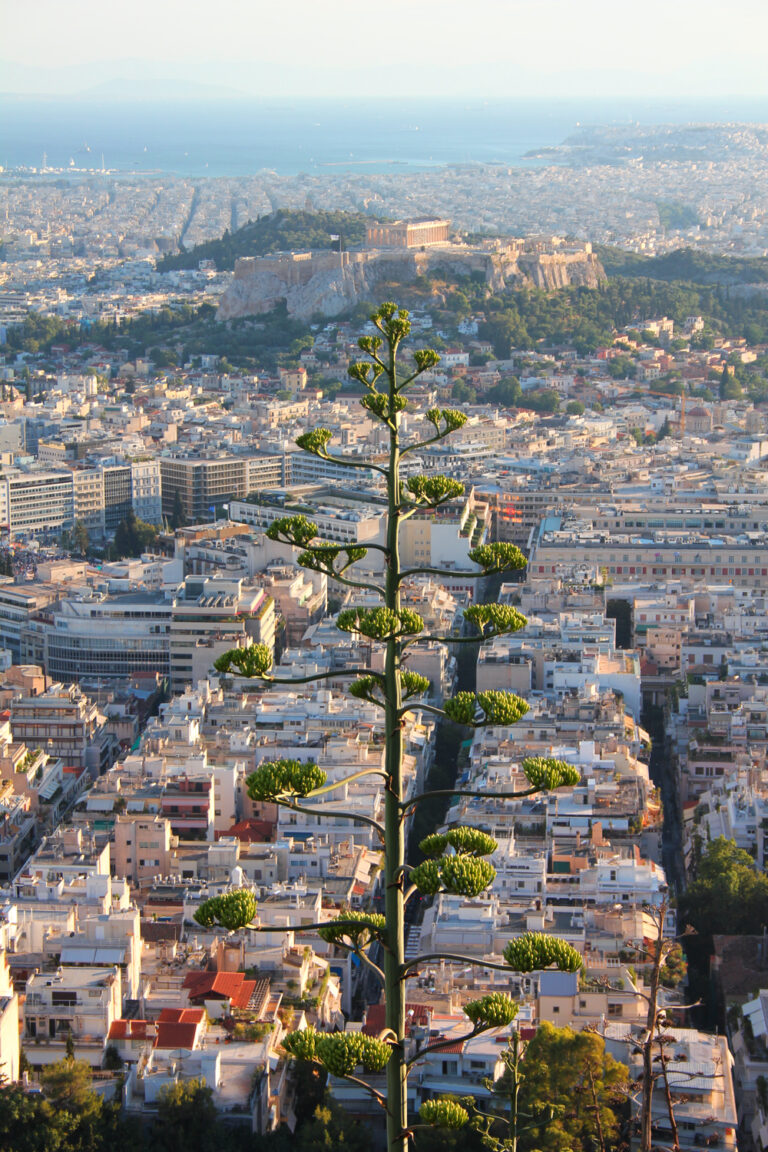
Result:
329,283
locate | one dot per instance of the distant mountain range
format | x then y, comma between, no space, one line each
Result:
133,80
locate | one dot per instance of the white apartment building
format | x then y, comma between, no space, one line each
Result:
37,503
146,490
81,1001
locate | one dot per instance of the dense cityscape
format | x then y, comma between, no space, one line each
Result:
585,548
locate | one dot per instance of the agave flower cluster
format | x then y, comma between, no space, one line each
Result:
456,861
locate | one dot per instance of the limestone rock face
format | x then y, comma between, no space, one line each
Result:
328,283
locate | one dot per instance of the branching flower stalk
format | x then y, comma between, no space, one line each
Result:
457,862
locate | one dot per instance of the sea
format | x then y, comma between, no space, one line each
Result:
237,138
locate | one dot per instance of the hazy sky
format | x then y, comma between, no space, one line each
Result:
668,48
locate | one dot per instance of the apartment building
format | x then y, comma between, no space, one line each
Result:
340,522
18,604
9,1024
142,847
211,615
146,490
560,547
81,1002
107,638
18,830
117,495
38,504
202,484
65,723
88,497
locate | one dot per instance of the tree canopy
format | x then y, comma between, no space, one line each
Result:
133,536
572,1073
285,230
729,896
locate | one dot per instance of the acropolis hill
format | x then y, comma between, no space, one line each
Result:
331,282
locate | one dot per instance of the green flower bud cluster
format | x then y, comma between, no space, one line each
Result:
379,404
342,1052
495,619
451,418
361,931
296,530
365,373
485,708
233,910
322,558
498,557
284,777
363,688
413,684
547,773
433,490
253,662
301,1044
496,1010
315,441
380,623
392,321
534,951
443,1114
370,344
425,358
464,841
463,875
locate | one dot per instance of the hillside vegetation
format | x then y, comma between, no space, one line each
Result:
685,264
281,231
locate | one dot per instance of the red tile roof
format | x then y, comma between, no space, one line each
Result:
253,831
127,1030
179,1027
457,1047
213,985
242,997
181,1016
375,1018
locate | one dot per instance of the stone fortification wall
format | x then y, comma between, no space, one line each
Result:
331,282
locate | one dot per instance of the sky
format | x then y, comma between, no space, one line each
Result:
671,49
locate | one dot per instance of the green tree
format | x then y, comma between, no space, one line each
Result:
67,1084
463,392
178,515
574,408
164,358
457,861
730,388
572,1073
87,1120
80,538
331,1128
134,536
186,1119
728,896
621,368
29,1123
507,392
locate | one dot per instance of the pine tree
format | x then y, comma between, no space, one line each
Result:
457,861
178,515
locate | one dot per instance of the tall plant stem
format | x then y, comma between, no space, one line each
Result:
394,835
